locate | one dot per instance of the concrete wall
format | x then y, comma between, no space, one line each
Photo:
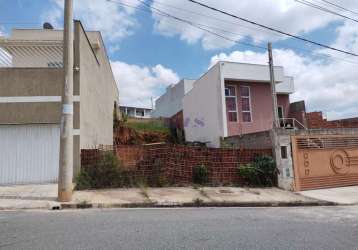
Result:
171,102
98,90
30,95
203,109
286,87
36,34
259,140
250,72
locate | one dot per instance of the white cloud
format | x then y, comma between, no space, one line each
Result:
113,20
138,84
286,15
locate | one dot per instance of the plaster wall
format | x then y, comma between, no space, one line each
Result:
203,109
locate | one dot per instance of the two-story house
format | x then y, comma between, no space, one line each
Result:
31,80
231,99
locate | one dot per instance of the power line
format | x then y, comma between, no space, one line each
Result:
215,18
150,9
324,9
196,25
340,7
242,35
273,29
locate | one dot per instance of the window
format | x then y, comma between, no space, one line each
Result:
231,103
245,103
283,152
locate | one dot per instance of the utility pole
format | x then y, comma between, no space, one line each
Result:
65,185
273,88
276,123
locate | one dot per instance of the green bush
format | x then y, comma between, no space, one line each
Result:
262,172
200,175
104,173
83,180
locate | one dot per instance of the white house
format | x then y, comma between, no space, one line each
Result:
171,102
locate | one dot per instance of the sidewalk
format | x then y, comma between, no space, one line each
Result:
342,195
44,197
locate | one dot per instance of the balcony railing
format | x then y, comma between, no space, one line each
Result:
30,53
290,123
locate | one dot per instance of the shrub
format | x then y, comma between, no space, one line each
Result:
104,173
83,180
262,172
200,175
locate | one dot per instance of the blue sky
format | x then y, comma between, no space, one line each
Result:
149,52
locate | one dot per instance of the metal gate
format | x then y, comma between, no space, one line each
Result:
29,153
325,161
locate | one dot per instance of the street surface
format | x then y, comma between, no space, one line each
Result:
188,228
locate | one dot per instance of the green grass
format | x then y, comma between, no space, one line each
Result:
152,126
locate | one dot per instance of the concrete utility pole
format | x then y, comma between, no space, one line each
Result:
273,88
276,123
65,185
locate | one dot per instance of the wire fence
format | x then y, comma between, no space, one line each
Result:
175,163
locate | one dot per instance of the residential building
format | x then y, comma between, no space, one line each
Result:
171,102
233,99
229,99
31,80
136,112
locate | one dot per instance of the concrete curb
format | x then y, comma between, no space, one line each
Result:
196,204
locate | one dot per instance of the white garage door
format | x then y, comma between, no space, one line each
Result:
29,154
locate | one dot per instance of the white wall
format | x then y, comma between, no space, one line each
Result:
250,72
286,87
171,102
202,109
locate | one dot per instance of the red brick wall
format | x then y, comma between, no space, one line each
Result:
176,162
316,120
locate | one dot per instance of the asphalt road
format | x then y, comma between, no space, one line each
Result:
201,228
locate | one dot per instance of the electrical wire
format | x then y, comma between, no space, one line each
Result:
202,27
321,8
274,29
340,7
150,9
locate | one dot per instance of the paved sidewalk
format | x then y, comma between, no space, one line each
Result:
342,195
28,197
44,197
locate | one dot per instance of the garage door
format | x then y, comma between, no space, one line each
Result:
325,161
29,154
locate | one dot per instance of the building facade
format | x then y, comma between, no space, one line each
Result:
233,99
171,102
136,112
31,80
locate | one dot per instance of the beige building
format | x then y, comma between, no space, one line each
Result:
31,78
